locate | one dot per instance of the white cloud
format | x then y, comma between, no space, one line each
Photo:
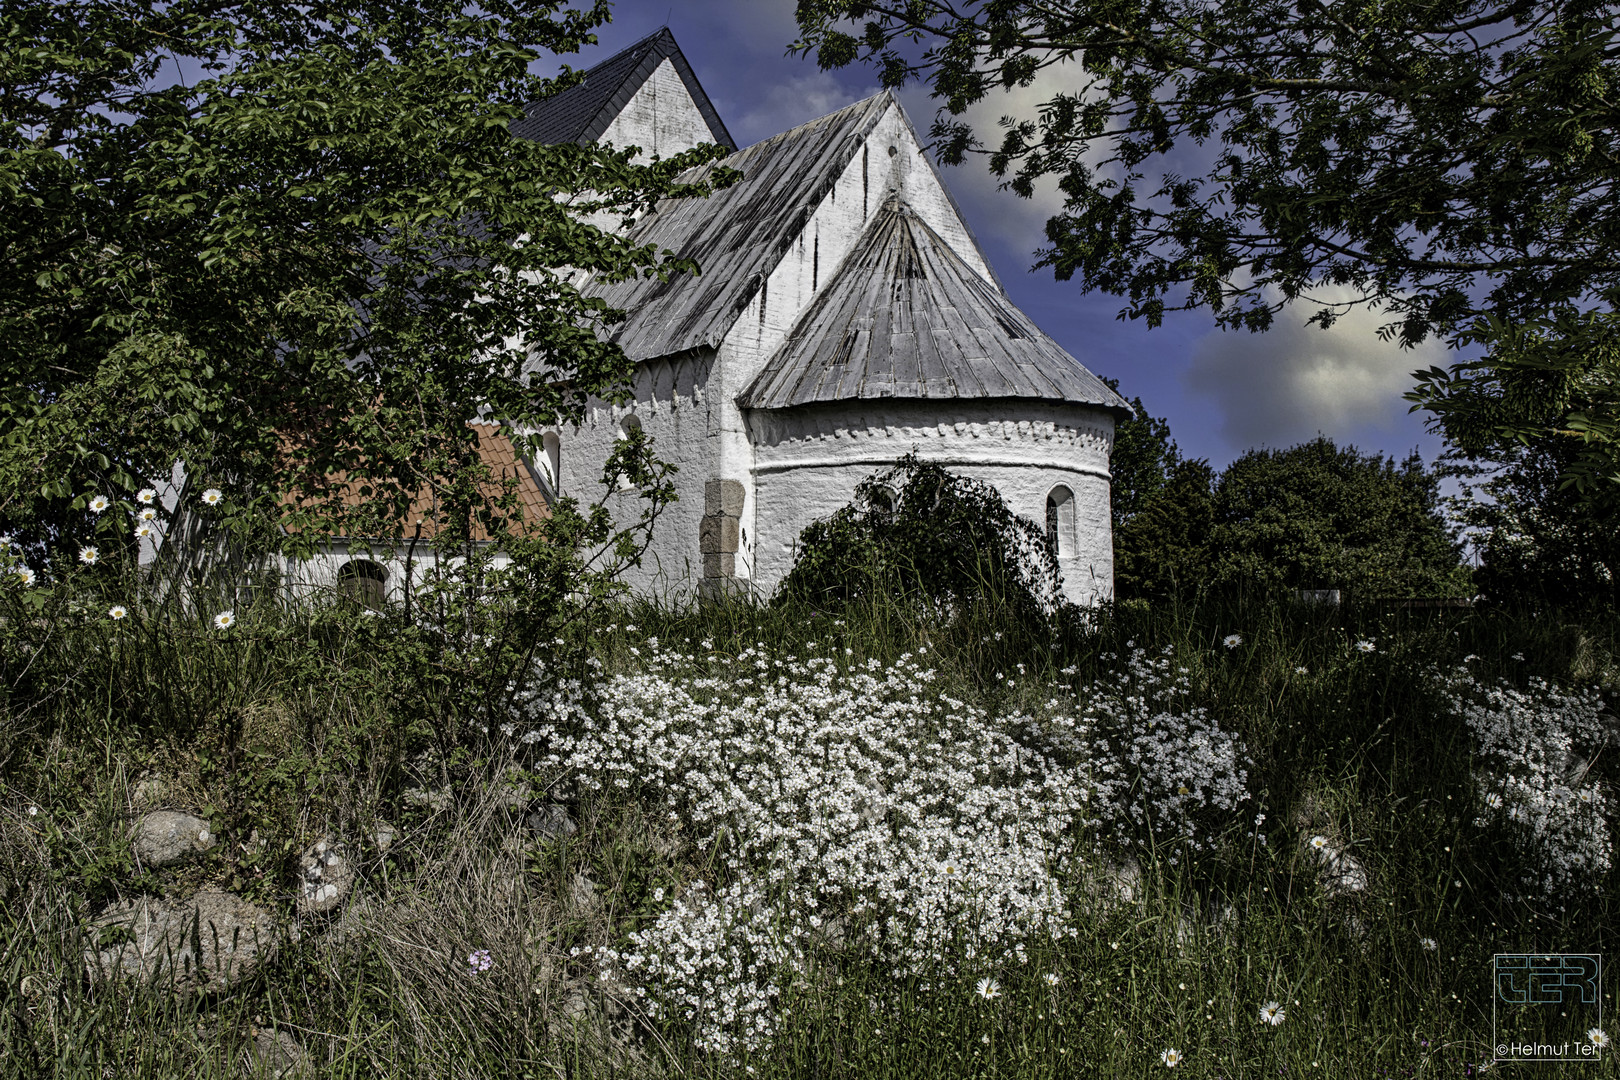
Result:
1284,386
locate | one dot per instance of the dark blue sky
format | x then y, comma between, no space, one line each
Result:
1221,392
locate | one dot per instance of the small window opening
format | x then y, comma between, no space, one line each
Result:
551,460
1060,522
363,582
630,425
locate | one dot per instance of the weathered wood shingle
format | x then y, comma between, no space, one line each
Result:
737,235
905,317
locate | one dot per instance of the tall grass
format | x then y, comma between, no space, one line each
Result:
300,722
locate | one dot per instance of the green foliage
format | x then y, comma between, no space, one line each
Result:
920,532
1538,544
1314,516
1142,462
1453,164
320,259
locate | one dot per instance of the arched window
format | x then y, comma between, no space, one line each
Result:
551,460
1060,521
882,500
630,425
363,582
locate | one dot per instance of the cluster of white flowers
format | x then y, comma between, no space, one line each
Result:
719,961
861,803
1166,772
1535,746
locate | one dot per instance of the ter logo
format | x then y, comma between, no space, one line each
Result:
1547,980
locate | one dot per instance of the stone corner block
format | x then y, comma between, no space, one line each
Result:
723,497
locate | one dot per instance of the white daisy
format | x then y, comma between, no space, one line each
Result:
213,496
1429,944
26,574
117,611
1232,641
1318,842
1052,978
1494,801
143,531
1302,670
146,495
88,555
1171,1058
1598,1037
1365,646
1272,1013
99,503
225,620
146,514
988,989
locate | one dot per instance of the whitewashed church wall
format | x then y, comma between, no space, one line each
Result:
316,578
672,405
660,117
891,159
809,462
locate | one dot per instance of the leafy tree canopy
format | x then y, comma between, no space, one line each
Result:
1314,516
1453,162
325,255
1141,463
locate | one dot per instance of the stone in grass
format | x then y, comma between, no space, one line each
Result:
551,822
1341,874
205,944
325,878
164,837
384,836
275,1054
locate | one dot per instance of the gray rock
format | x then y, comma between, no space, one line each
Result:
1341,873
551,822
276,1054
206,944
384,836
438,801
164,837
149,792
325,878
583,893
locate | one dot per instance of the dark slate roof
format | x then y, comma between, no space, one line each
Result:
582,112
906,317
737,235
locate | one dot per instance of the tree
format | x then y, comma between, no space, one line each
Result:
1163,550
1143,458
1535,542
322,258
1453,162
1318,516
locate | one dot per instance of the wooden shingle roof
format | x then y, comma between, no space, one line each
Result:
906,317
583,112
737,235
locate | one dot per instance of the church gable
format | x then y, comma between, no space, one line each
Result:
646,96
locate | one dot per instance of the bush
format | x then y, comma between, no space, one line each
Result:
919,532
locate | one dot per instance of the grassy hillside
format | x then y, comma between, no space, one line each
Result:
736,841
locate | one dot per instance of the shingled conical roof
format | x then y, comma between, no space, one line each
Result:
905,317
583,112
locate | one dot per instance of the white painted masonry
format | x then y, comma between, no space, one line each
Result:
796,465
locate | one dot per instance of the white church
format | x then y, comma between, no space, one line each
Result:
844,317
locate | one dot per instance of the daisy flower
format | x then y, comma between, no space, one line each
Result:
146,495
146,514
1429,944
1598,1037
225,620
1052,978
1318,842
1365,646
213,496
1302,670
1494,801
1171,1058
88,555
117,612
99,503
988,989
1232,641
143,531
26,574
1272,1013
